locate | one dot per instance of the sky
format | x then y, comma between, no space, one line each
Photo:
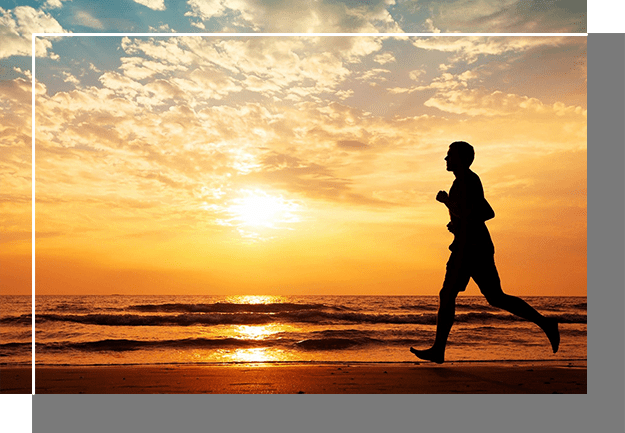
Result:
287,165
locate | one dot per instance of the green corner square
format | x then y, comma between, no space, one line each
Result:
16,413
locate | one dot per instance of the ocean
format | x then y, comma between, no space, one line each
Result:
153,330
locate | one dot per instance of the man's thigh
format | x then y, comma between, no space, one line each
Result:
457,275
484,273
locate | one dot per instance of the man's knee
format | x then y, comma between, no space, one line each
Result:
496,299
448,293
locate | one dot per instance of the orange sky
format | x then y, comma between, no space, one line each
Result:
297,165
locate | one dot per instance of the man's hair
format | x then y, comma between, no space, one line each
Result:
465,152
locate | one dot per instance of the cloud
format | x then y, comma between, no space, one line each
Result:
445,81
184,156
459,14
125,86
414,75
16,112
206,84
344,94
26,73
483,102
84,18
69,78
54,4
15,163
168,51
372,76
17,27
307,179
509,16
163,28
157,5
321,16
551,71
289,68
206,9
188,122
351,145
469,49
212,144
390,16
384,58
139,68
429,26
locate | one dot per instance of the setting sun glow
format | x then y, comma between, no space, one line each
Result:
256,210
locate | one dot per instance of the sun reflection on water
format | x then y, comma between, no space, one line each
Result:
258,354
257,333
255,299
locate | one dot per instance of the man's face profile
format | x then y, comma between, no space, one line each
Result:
452,160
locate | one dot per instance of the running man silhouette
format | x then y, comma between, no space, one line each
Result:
472,255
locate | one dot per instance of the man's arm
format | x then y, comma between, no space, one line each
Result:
454,208
468,201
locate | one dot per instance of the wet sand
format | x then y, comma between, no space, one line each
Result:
408,378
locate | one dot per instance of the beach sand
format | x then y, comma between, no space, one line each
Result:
407,378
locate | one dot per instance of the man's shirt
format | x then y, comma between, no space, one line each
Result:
467,200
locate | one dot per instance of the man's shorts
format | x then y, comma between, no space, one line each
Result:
479,266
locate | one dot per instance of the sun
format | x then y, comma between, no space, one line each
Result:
258,209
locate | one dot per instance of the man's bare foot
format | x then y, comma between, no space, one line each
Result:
429,355
551,329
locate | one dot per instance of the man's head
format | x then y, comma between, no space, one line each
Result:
460,156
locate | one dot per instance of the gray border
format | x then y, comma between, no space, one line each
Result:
567,413
606,228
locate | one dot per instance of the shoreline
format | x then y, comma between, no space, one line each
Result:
469,377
